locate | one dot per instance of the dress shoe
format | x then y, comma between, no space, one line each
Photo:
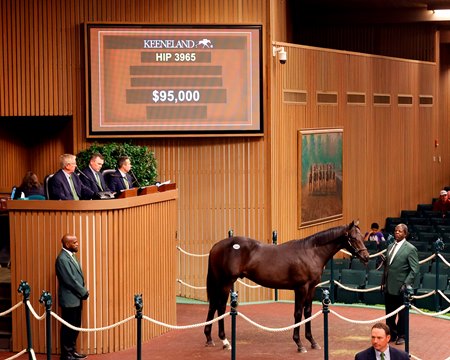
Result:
400,341
75,355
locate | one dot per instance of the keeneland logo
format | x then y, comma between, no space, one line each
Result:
177,44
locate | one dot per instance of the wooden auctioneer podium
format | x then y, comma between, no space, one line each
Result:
127,247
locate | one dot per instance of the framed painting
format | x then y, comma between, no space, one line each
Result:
320,179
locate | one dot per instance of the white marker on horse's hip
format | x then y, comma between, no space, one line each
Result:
236,246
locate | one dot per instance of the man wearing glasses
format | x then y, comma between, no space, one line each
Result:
65,184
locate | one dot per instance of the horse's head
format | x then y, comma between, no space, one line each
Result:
355,242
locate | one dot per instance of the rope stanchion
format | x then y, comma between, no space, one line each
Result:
325,310
233,313
46,299
138,304
25,289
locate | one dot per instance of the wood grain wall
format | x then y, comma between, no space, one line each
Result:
245,184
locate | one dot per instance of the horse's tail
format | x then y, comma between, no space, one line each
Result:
211,282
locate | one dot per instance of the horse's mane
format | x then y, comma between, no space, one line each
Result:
323,237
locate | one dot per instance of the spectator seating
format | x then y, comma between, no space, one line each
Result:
374,278
443,268
339,264
420,246
424,207
442,229
355,279
406,214
429,284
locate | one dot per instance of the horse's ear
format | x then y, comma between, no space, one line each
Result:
353,224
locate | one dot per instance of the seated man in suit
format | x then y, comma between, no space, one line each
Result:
380,348
94,178
121,180
65,184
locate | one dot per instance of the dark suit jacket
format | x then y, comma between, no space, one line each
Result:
59,187
91,183
403,270
71,288
116,182
369,354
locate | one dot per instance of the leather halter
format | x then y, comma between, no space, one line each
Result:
355,250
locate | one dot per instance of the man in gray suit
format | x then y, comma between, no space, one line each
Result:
71,292
380,349
401,268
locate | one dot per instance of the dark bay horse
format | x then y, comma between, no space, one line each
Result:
295,265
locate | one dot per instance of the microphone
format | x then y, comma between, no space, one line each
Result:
135,179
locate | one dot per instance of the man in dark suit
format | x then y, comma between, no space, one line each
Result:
380,349
65,184
94,178
400,269
121,179
71,292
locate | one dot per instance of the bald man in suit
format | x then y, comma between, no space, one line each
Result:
401,268
71,292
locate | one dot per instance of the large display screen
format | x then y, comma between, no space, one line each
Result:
155,80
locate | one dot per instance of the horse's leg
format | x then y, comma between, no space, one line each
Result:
207,330
308,333
299,298
222,306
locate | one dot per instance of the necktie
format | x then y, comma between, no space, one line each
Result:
382,356
125,181
97,178
391,254
76,261
72,188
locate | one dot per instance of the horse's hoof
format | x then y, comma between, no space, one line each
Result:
316,346
302,349
226,345
210,344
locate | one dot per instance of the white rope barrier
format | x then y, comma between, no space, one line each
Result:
431,257
15,356
11,309
62,321
367,321
190,254
34,312
183,327
443,296
377,254
355,289
424,295
248,285
33,354
280,329
431,314
443,260
191,286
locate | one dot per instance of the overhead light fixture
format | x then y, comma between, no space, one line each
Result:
440,11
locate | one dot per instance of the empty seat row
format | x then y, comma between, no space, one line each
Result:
358,279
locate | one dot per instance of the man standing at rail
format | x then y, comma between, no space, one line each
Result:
400,270
71,292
